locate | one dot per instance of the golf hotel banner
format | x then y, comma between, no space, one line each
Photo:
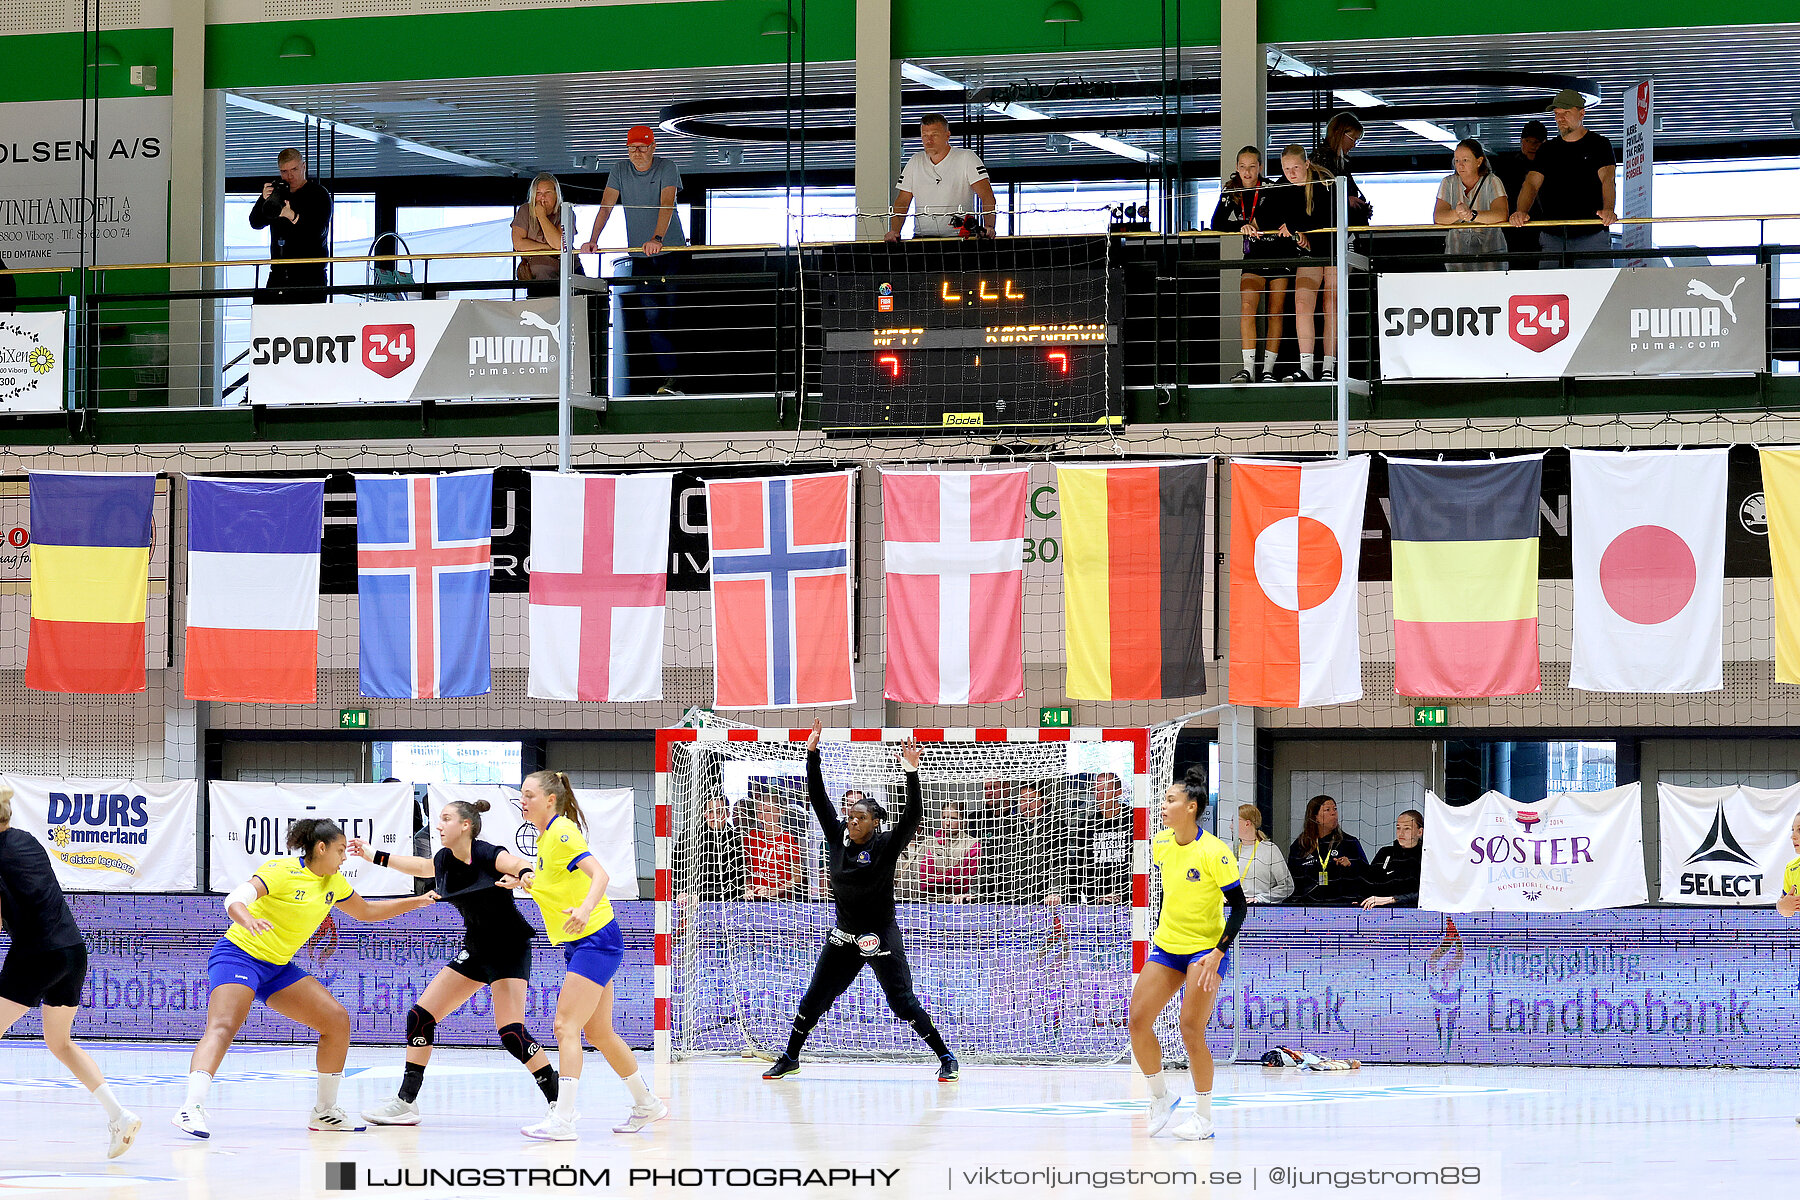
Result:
1572,852
1553,324
411,350
249,823
32,362
1725,845
110,835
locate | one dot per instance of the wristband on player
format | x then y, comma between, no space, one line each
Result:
381,858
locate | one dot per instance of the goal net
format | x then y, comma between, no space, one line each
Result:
1023,900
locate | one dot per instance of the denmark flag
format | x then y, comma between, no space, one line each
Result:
599,575
1296,541
955,550
1648,552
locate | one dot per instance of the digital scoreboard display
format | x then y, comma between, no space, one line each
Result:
1009,334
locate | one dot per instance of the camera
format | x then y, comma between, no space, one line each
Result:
281,194
969,225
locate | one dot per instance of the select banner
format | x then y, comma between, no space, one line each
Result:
411,350
1554,324
32,361
611,827
1725,845
111,835
250,821
1571,852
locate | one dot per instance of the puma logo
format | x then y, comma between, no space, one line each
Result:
1698,287
537,322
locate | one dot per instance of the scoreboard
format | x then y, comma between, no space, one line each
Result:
986,334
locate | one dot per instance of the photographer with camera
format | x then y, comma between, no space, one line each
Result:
297,214
942,179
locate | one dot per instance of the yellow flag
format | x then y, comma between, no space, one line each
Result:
1781,494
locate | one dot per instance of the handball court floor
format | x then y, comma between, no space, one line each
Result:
1547,1131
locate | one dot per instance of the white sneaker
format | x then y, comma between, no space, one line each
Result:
124,1129
333,1120
1161,1109
1196,1128
641,1119
552,1129
395,1112
192,1120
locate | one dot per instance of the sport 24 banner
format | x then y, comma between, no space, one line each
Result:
1725,845
412,350
250,822
111,835
1553,324
1571,852
611,827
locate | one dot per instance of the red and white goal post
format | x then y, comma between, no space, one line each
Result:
1025,959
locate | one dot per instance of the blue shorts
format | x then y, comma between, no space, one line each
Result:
231,963
598,955
1180,962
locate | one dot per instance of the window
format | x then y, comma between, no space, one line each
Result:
450,762
760,216
1051,208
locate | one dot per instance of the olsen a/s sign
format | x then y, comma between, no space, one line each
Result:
1556,324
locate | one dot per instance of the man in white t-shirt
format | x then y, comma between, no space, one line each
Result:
941,179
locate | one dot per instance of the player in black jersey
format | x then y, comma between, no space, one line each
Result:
47,964
861,858
496,952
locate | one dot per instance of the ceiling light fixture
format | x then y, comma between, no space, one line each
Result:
296,45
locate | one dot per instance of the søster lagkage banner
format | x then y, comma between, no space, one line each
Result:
1571,852
1555,324
111,835
407,350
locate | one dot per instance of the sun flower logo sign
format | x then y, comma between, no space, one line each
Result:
42,360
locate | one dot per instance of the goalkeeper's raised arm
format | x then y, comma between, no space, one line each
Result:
815,789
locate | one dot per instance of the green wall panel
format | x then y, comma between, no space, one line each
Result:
1321,20
47,66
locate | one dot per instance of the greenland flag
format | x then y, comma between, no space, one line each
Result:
253,589
955,562
1296,542
599,583
1648,551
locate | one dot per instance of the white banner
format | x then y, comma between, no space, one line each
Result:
111,835
1725,845
1571,852
611,827
249,824
43,215
408,350
1638,173
32,361
1551,324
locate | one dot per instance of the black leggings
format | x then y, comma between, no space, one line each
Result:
837,969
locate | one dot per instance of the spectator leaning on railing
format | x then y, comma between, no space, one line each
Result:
1512,168
1572,180
942,179
646,184
1472,201
537,226
1244,205
1306,217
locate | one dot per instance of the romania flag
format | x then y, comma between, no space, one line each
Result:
90,580
1466,576
1134,570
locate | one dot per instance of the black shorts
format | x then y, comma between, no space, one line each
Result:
485,963
1266,270
49,977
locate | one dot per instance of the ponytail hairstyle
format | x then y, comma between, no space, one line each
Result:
6,797
1314,172
306,835
555,784
1193,782
1253,814
465,811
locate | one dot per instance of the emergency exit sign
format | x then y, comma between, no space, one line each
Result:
1056,718
1430,716
353,718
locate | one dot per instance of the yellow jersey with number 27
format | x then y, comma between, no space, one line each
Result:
561,883
297,904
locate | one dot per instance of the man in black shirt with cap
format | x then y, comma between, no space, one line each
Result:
1512,169
1571,180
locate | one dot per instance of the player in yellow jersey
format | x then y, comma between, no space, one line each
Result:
569,885
1789,903
274,914
1193,935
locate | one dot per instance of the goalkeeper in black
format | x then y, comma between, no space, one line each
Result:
861,858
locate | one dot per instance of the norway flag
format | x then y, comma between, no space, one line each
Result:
422,562
781,590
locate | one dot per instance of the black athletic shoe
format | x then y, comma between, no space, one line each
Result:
948,1070
781,1067
1243,377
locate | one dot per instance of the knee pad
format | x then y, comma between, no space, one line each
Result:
804,1020
421,1027
518,1042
